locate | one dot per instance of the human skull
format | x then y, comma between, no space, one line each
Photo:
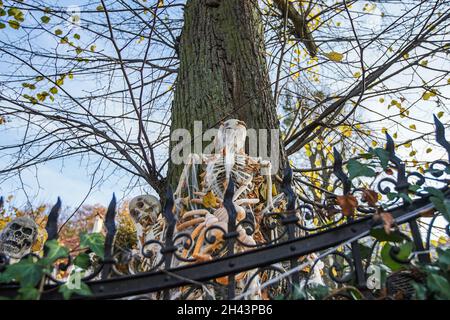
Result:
144,209
231,134
18,236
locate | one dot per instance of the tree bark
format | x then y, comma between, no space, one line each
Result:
223,71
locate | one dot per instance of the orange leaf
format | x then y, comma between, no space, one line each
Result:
371,197
348,204
210,200
388,221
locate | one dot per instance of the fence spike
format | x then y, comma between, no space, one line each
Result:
402,184
390,145
168,214
440,135
232,233
168,207
228,202
339,172
110,225
52,221
286,186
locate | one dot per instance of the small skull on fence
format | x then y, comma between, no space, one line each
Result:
17,238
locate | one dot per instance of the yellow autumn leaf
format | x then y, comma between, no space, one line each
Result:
429,150
334,56
442,240
357,74
210,200
440,114
4,221
40,240
412,126
426,96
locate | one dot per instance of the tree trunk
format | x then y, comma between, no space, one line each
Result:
222,72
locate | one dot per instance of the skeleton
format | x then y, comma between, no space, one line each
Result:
229,160
17,238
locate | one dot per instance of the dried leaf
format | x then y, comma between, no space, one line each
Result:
371,197
348,204
210,200
388,221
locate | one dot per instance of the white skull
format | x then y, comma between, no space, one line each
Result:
231,134
18,236
144,209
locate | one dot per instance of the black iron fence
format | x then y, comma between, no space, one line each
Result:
288,260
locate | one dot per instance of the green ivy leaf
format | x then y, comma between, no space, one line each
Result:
435,192
443,206
421,291
405,251
405,197
357,169
26,271
28,293
444,258
82,260
54,252
382,155
381,235
414,188
439,285
93,241
68,289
